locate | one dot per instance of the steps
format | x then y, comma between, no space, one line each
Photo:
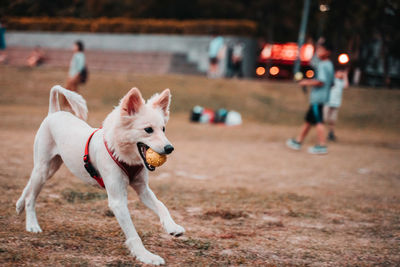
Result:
134,62
179,64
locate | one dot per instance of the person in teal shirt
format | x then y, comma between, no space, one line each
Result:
216,45
319,96
76,67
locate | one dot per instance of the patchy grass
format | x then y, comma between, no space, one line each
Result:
224,214
256,204
73,196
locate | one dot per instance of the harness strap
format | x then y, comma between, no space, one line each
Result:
115,160
130,171
88,164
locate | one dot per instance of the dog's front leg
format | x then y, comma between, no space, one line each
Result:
117,201
150,200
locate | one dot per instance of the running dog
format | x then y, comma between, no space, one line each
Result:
114,157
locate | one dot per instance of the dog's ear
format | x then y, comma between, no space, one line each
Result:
163,101
131,102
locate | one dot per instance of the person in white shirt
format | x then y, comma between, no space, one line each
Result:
331,108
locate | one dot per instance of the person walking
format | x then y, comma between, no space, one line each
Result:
319,95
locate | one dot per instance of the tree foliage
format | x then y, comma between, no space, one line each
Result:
347,22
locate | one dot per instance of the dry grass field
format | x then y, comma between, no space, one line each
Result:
243,197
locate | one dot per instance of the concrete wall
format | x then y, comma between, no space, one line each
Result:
194,47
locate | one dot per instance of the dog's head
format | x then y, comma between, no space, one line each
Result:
143,123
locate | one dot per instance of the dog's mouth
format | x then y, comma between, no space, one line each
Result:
142,151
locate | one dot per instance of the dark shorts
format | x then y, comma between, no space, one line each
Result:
213,60
314,114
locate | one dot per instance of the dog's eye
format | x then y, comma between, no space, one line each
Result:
163,129
149,130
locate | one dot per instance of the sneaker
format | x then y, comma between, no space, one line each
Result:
293,144
331,137
318,150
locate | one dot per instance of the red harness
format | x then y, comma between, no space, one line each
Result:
130,171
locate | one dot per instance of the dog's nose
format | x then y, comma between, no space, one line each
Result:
168,149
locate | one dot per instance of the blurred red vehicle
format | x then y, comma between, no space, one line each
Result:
277,60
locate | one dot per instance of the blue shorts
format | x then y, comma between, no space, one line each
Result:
314,114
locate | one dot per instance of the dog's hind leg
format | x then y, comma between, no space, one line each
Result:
40,174
46,163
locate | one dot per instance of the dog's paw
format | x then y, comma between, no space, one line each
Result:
174,229
150,258
20,206
33,228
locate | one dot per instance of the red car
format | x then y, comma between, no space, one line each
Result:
277,60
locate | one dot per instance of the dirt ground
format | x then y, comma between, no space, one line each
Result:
242,196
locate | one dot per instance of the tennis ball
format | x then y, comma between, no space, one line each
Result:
155,159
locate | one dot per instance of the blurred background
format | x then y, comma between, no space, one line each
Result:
173,36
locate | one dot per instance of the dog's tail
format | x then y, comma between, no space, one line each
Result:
75,100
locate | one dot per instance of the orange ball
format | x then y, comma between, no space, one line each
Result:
155,159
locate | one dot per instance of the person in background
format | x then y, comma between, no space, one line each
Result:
36,58
3,55
331,108
77,67
214,51
237,59
319,95
229,62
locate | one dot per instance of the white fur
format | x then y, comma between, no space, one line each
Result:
62,138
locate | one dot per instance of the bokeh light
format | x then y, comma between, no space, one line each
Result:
323,7
260,71
298,76
309,74
274,70
343,58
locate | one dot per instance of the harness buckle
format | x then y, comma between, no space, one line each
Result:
91,170
89,166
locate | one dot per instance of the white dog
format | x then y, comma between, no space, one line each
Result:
127,132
